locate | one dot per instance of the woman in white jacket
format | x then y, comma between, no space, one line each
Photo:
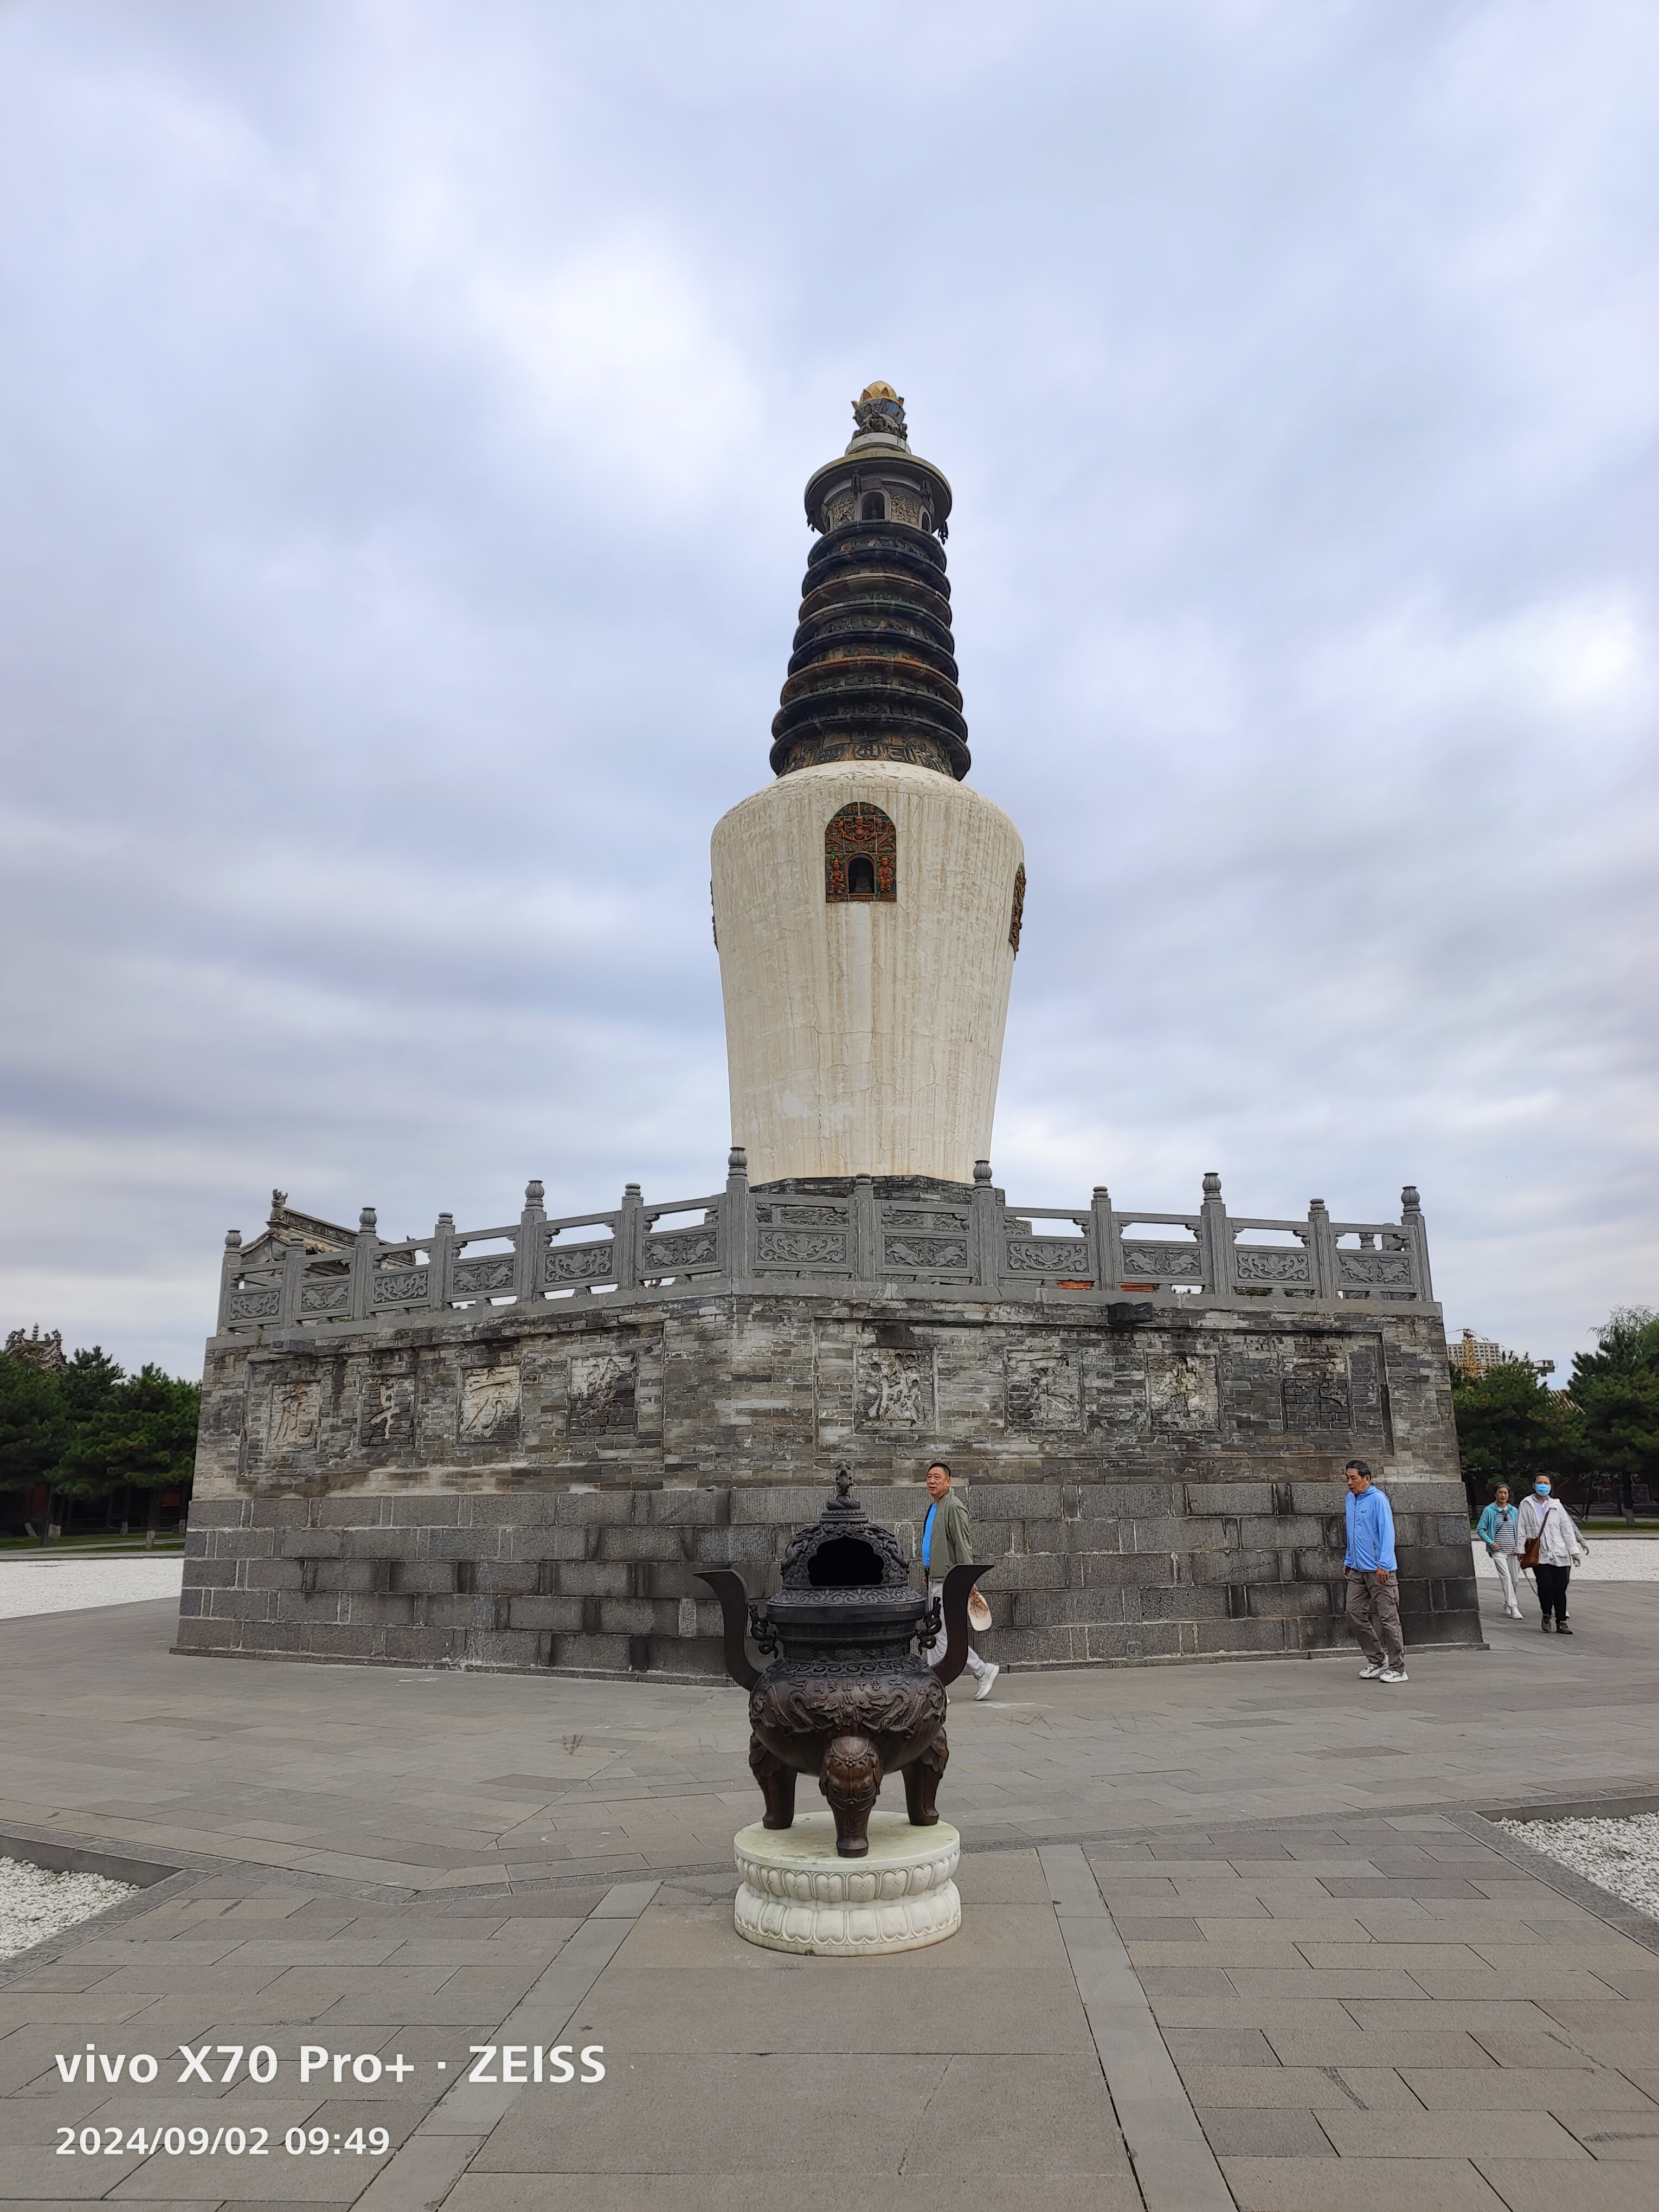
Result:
1560,1544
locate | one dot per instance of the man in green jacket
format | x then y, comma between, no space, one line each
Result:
947,1541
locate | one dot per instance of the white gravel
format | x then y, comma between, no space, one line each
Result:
1611,1559
1622,1856
49,1585
35,1902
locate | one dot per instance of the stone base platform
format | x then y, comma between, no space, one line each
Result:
538,1488
797,1894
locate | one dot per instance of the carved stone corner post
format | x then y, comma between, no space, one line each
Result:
531,1245
365,1254
629,1221
737,1227
230,1268
1215,1239
866,1243
987,1228
440,1265
1411,1220
1105,1245
293,1276
1323,1243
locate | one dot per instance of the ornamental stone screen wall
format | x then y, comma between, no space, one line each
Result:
514,1448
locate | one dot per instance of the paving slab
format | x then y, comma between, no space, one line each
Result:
1197,1916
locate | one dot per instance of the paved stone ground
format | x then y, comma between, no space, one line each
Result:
1234,1936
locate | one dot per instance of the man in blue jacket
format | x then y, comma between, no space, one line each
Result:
1369,1569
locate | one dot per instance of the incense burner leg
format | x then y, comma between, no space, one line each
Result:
922,1779
850,1777
777,1784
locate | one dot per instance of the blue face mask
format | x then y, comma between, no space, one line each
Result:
1543,1489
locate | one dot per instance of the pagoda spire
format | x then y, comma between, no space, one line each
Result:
872,675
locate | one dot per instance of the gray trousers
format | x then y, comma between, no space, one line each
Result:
1509,1574
1374,1616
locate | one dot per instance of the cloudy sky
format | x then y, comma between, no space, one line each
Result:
403,413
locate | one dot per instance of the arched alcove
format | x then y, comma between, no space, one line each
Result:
860,857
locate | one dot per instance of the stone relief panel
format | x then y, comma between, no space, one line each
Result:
1115,1389
1258,1265
673,1249
602,1400
1390,1269
578,1263
1162,1260
1182,1392
803,1247
893,1389
295,1416
385,1409
1316,1397
1043,1390
1252,1393
924,1252
1368,1395
493,1275
1048,1256
489,1405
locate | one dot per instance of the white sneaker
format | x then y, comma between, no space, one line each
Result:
1394,1674
985,1682
1371,1670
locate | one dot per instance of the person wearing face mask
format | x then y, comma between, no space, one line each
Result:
1549,1546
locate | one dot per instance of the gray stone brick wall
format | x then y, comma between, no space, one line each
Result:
1150,1483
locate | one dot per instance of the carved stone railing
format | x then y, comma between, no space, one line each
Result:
957,1244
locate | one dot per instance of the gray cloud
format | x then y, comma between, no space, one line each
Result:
406,412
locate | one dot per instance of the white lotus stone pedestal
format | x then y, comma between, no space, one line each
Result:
797,1894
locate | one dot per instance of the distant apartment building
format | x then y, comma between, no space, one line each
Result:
1475,1354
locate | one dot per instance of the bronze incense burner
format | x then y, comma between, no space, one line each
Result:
849,1697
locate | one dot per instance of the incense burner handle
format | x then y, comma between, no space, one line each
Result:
728,1586
958,1589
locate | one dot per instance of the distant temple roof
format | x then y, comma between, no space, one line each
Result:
285,1225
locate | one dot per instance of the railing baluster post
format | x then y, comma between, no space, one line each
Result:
627,1234
294,1275
1215,1241
365,1250
528,1279
866,1250
1324,1251
737,1222
986,1228
441,1263
1105,1254
229,1270
1411,1220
